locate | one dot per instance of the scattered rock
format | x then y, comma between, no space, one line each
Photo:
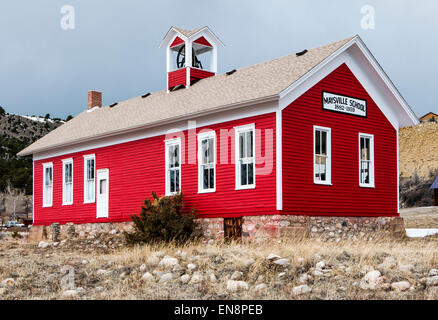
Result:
2,291
143,268
400,286
260,287
432,293
84,261
281,274
7,283
433,272
273,256
211,241
432,281
113,232
237,275
212,278
406,267
166,277
152,260
69,293
300,290
43,244
197,278
191,267
371,280
148,277
99,289
320,265
249,262
364,270
103,272
168,262
185,278
301,260
387,264
234,286
304,278
282,262
318,273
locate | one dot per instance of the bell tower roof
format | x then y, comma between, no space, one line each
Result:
190,35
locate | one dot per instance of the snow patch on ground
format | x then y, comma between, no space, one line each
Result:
420,233
38,119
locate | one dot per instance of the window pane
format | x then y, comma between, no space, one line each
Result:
241,145
324,142
249,141
243,174
177,180
172,180
318,142
211,178
176,155
211,150
250,173
205,178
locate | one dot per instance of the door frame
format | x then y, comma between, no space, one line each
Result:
98,192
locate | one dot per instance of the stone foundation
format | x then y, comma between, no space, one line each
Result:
253,227
325,228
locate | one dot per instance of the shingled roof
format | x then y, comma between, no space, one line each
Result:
252,83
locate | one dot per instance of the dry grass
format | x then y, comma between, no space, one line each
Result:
37,271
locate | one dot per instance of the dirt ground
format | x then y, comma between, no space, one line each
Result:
426,217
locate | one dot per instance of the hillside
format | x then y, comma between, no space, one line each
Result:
17,132
418,164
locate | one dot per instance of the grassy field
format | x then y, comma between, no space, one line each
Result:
40,273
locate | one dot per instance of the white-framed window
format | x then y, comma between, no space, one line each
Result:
67,181
48,184
322,155
89,178
366,160
207,162
173,166
245,156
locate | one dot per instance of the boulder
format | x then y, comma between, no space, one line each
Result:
142,268
191,266
8,282
197,278
433,272
300,290
234,286
43,244
273,256
166,277
168,262
320,265
69,293
432,281
400,286
212,278
304,278
260,287
185,278
282,262
237,275
148,277
371,280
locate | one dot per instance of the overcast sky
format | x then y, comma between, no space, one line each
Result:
114,46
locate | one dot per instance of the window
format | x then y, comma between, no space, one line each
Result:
366,160
245,160
67,181
322,155
207,161
173,166
89,174
47,184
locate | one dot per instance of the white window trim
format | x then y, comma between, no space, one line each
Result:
202,136
45,166
64,162
372,177
168,143
89,157
328,182
237,131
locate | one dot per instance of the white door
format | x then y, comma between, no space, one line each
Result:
102,193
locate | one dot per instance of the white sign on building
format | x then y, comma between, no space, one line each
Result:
339,103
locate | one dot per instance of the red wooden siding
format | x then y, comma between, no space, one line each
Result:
177,77
199,74
137,168
203,41
176,42
344,196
